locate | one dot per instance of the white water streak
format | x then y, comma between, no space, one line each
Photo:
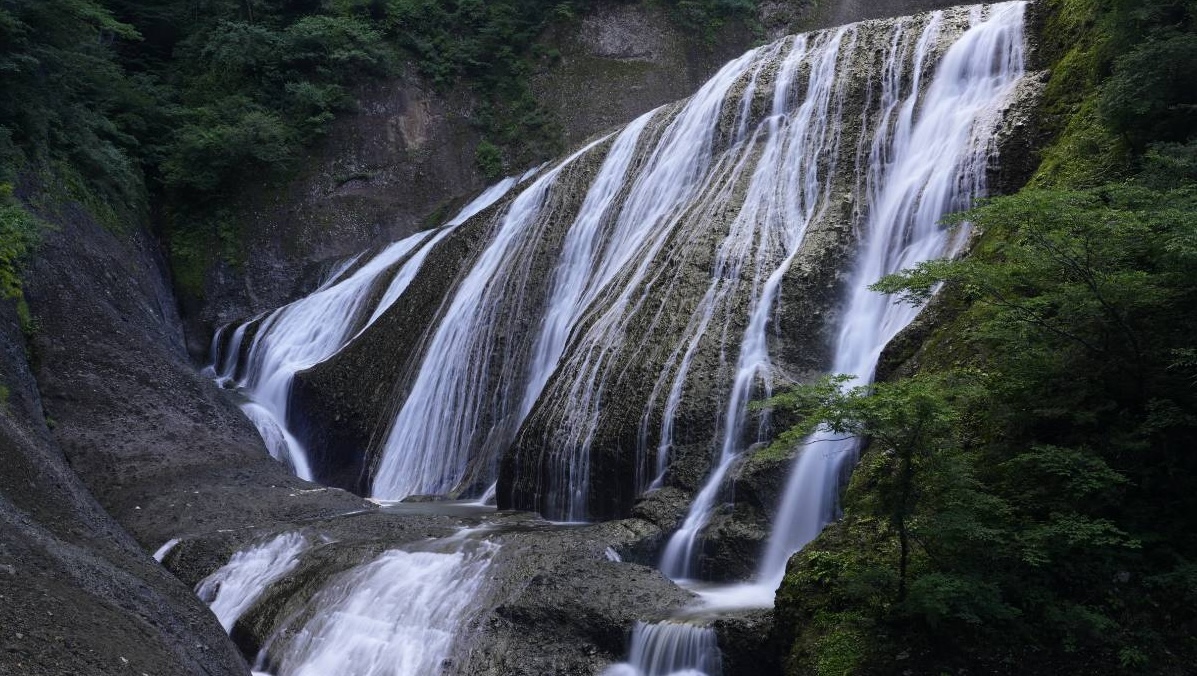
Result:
671,179
233,588
445,413
785,194
937,166
670,649
308,331
162,551
398,615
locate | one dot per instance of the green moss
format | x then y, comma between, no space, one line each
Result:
19,231
840,650
489,159
1086,153
191,254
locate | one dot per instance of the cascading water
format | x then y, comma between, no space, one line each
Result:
398,615
782,198
453,405
918,172
661,283
304,333
233,588
928,159
624,310
932,166
670,648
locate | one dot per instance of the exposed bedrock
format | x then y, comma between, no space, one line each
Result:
163,450
556,600
77,595
106,419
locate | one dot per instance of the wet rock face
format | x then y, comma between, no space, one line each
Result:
342,407
561,607
347,403
628,346
391,168
748,645
624,59
554,601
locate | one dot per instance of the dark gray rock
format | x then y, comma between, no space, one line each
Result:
555,602
401,162
163,450
122,416
747,643
77,595
625,59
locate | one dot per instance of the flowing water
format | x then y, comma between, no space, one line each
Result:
304,333
933,164
233,588
926,158
397,615
670,649
452,405
608,334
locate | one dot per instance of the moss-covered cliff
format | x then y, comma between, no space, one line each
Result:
1023,505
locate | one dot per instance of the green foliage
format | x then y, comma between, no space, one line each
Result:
254,94
489,159
1152,95
1039,500
63,95
18,235
221,140
1046,511
707,16
183,102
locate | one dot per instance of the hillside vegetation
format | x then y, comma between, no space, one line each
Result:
174,106
1026,499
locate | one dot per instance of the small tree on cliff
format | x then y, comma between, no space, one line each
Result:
912,430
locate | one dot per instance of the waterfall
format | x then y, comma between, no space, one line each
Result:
927,159
308,331
233,588
784,193
616,317
918,171
452,405
161,552
677,172
670,649
623,309
931,166
397,615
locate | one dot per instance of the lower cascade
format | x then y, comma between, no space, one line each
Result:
397,615
234,587
598,330
670,649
